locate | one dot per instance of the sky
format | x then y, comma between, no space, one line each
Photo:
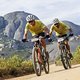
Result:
45,10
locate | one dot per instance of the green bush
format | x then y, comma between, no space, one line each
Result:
76,55
27,66
15,66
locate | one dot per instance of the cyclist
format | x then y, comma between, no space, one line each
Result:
61,30
37,28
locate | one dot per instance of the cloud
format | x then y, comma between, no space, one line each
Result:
45,10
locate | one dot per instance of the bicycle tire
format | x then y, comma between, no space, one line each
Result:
68,61
64,59
46,66
46,62
36,63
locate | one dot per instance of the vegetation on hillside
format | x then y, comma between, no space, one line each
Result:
76,55
15,66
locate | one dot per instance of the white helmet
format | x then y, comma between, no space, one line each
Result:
30,18
55,21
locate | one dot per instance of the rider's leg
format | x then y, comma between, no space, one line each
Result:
39,55
43,43
58,45
68,48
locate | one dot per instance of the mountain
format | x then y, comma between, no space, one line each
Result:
16,22
75,28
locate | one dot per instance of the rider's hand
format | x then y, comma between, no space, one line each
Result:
49,39
24,40
47,36
71,34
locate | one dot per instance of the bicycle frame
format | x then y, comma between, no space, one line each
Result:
36,48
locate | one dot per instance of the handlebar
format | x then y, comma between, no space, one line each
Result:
36,39
67,37
32,40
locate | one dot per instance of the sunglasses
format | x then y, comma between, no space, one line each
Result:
30,21
56,24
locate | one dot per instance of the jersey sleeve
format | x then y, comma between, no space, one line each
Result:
26,27
51,29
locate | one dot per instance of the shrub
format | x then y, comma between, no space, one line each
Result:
76,55
15,66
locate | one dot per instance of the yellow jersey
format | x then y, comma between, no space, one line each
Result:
63,29
36,29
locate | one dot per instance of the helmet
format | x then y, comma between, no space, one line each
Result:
30,18
55,21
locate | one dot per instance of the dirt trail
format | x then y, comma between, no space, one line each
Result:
56,73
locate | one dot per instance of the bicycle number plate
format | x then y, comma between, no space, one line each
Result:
34,39
60,39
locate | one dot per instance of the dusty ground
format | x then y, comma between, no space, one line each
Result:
56,73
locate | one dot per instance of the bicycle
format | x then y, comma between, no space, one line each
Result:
64,55
37,51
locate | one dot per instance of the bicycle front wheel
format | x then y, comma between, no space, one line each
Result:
46,62
46,66
64,59
68,61
36,64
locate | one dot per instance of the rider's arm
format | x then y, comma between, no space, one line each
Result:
25,35
67,27
25,32
70,30
51,30
46,29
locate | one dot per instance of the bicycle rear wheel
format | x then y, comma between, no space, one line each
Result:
64,59
46,63
46,66
36,64
68,61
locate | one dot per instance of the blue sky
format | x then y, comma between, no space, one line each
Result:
46,10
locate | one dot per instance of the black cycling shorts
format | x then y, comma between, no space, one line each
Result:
40,34
62,36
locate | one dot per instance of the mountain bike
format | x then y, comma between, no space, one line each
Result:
64,54
38,51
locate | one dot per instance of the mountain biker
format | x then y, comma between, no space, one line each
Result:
61,30
37,28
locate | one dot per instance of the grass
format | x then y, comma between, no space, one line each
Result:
76,55
15,66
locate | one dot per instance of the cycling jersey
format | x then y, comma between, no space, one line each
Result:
62,30
36,29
